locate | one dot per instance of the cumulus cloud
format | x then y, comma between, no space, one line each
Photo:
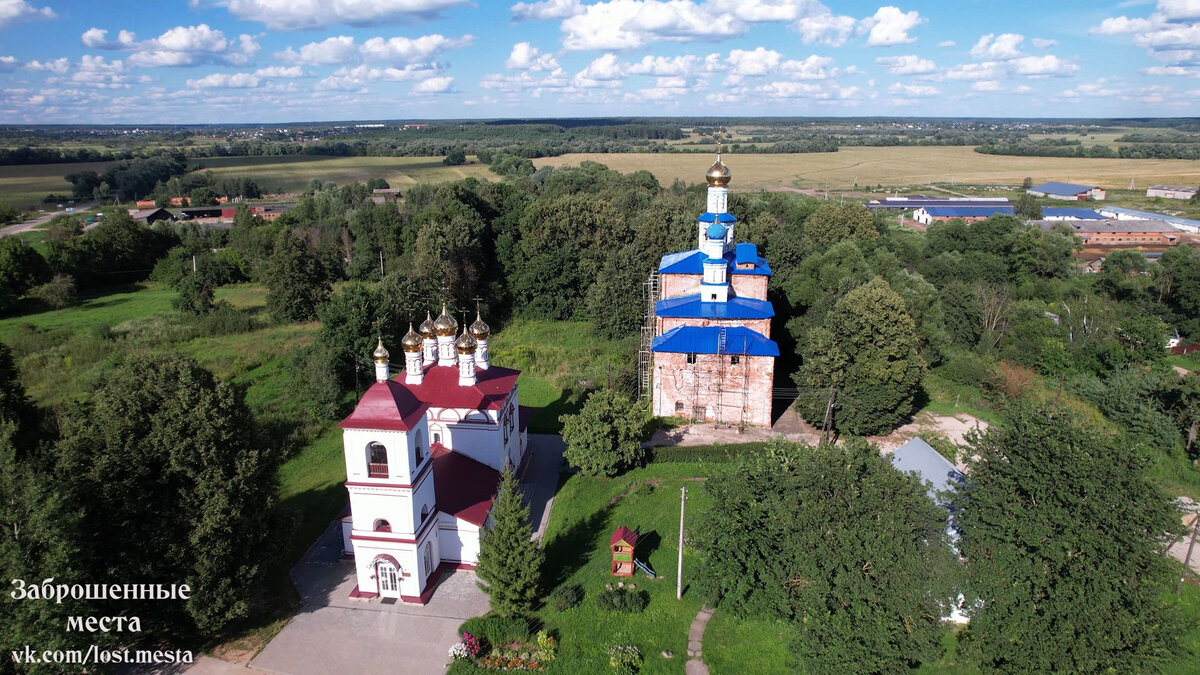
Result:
947,43
280,72
434,85
1172,33
1173,71
975,71
299,14
225,81
604,71
525,82
357,78
992,46
825,28
890,26
808,90
1042,43
548,9
95,71
402,50
59,65
913,90
1042,66
12,11
907,65
8,64
179,46
330,51
524,56
665,65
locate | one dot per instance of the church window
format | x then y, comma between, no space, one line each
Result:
437,438
678,406
377,461
382,525
734,360
714,296
418,441
691,359
424,512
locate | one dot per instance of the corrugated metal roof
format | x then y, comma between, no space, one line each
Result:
691,307
917,455
692,262
1077,213
1057,188
1148,215
967,211
706,340
905,203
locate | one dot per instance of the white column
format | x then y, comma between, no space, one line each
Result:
466,370
718,199
428,351
413,372
382,371
481,354
446,352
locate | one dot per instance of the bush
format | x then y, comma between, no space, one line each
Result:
621,600
605,438
703,453
57,293
225,319
625,659
964,368
566,597
496,630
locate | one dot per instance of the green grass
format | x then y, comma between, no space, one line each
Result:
560,362
951,398
1189,603
758,646
293,172
108,309
1186,361
25,186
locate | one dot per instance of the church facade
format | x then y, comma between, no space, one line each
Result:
424,452
713,357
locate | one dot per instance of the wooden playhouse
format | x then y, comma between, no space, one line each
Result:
622,544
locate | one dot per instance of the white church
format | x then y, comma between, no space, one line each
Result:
424,452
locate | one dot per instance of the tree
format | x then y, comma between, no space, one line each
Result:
161,466
1027,207
605,437
21,268
614,302
1027,183
203,196
834,222
510,562
868,350
196,293
377,183
836,541
1064,534
455,157
296,280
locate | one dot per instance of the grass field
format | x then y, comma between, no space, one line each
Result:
25,186
894,166
293,172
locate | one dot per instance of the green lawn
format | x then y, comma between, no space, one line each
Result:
1187,361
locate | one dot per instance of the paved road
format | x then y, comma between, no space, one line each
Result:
40,220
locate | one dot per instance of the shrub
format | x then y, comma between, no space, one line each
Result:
621,600
57,293
497,631
566,597
225,319
547,647
964,368
703,453
625,659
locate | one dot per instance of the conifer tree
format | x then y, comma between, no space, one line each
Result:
297,283
510,562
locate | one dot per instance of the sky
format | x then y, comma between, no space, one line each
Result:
273,61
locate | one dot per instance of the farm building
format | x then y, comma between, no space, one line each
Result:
969,214
1119,233
1069,213
707,354
1121,213
1170,192
1067,191
149,216
913,202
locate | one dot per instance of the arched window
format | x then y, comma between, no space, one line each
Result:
418,451
437,438
382,525
424,512
377,460
678,406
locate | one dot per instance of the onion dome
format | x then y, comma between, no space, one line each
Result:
465,344
426,327
411,342
445,324
479,329
716,231
380,354
718,174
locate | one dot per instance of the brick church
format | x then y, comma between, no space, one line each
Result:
713,357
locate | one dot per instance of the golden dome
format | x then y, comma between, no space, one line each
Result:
479,329
465,343
411,342
718,174
380,354
426,327
445,324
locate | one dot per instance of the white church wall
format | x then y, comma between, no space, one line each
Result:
365,555
458,540
400,452
394,506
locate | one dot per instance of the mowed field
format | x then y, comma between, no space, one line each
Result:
894,166
25,186
293,172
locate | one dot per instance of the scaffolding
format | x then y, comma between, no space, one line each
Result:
650,292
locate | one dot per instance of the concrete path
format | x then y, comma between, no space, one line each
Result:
695,664
540,481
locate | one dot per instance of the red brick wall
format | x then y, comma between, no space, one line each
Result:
744,285
1128,238
726,393
669,323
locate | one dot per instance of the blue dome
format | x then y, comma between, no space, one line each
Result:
716,231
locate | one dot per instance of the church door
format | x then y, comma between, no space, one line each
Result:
389,579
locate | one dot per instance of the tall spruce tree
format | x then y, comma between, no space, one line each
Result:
510,562
1064,535
296,280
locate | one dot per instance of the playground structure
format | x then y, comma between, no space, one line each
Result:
622,544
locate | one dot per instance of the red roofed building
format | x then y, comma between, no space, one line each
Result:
424,452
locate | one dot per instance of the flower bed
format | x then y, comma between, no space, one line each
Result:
535,656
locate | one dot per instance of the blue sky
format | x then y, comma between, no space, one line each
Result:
212,61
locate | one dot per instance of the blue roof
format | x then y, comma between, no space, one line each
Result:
708,217
692,262
745,253
691,307
967,211
1063,189
716,231
917,202
1075,213
1148,215
917,455
714,261
705,340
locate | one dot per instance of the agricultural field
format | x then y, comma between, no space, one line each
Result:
25,186
291,173
893,166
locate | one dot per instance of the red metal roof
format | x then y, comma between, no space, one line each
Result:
465,488
440,388
386,405
624,534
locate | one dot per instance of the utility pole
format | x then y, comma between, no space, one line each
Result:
193,264
679,569
828,416
381,274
